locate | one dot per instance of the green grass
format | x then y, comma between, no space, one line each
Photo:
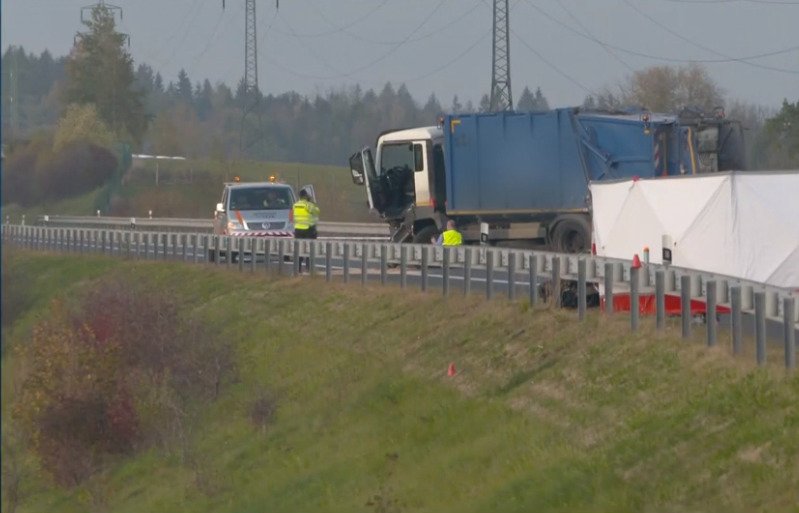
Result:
545,414
192,189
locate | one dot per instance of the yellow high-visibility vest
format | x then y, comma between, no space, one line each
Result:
306,215
452,238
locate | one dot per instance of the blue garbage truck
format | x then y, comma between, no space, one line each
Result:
513,178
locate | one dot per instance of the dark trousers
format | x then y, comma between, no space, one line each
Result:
310,233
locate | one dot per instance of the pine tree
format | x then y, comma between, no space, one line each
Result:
100,72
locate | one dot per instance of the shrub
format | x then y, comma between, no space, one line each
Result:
123,370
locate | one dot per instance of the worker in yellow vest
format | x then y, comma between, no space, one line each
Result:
451,236
306,215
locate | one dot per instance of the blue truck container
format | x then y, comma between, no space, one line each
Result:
542,162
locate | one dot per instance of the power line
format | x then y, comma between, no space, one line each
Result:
553,66
771,2
385,55
700,45
605,47
669,59
436,32
343,28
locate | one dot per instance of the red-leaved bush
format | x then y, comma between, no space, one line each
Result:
120,371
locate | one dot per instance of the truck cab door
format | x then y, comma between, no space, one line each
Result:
362,167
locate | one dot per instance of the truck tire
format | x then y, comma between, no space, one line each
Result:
572,234
425,234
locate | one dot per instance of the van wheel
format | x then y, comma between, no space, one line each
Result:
425,234
572,234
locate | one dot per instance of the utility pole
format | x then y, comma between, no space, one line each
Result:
501,98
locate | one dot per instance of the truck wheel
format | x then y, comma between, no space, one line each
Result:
425,234
572,235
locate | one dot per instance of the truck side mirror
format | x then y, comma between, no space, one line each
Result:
356,168
357,177
220,207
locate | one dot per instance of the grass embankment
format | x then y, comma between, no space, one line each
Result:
192,189
545,414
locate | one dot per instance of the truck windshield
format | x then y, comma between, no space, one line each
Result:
396,155
261,198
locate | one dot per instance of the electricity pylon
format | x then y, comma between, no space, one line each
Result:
501,98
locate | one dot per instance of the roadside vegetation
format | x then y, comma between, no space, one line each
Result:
350,408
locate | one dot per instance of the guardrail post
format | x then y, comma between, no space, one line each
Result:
467,271
403,266
660,299
328,261
710,312
241,253
217,250
635,288
425,257
556,299
184,238
609,288
581,289
312,258
156,244
760,326
511,276
346,261
281,255
295,258
268,255
685,305
364,263
489,274
789,333
735,319
82,241
445,272
533,279
383,264
146,236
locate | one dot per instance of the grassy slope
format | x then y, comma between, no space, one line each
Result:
339,198
544,415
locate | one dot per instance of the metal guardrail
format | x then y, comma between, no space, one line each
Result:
540,276
203,225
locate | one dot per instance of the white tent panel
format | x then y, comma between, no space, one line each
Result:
645,218
736,224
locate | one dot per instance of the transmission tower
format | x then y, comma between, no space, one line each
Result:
501,98
250,49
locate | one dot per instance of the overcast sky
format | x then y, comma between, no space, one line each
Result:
567,47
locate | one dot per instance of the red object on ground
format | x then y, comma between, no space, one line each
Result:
647,305
451,370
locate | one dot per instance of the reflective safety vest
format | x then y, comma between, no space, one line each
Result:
306,215
452,238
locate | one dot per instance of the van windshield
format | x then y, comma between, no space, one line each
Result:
261,198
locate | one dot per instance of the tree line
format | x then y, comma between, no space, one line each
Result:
196,118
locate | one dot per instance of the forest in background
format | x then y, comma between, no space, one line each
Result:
69,122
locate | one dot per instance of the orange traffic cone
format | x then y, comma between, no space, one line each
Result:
636,262
451,370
